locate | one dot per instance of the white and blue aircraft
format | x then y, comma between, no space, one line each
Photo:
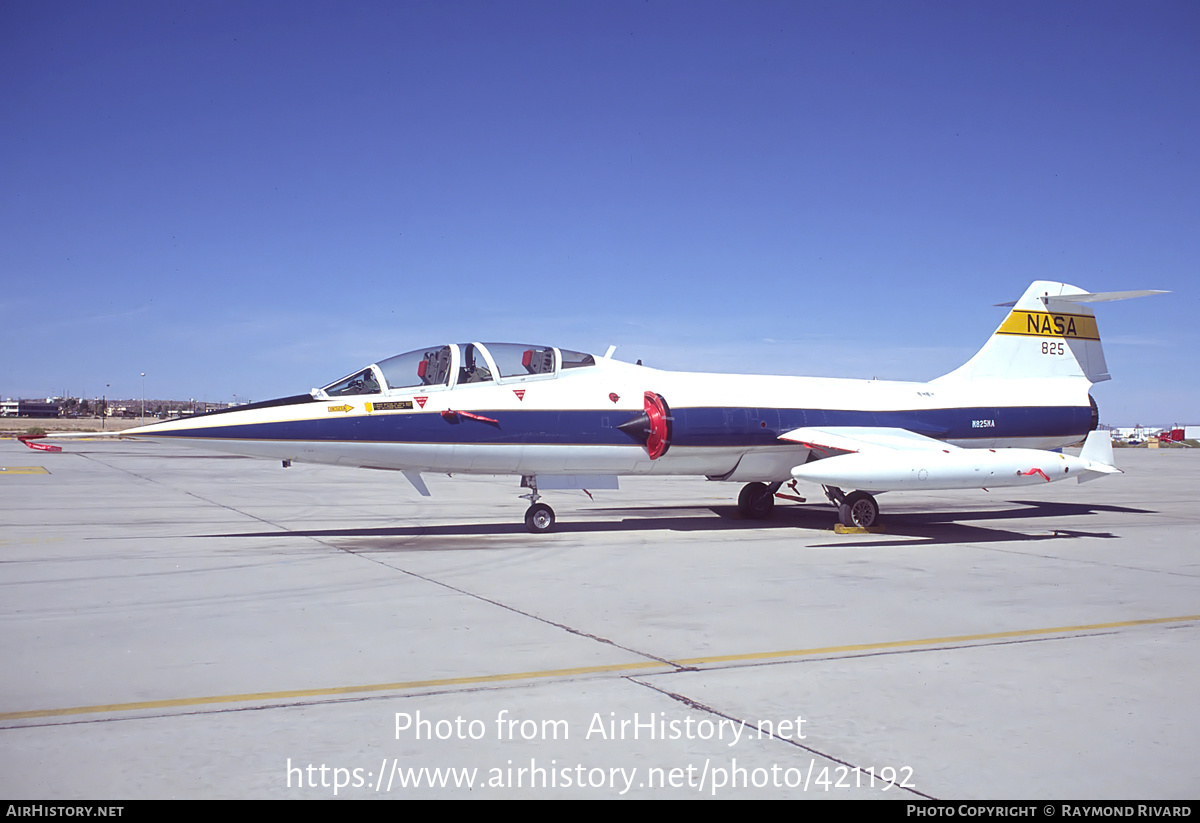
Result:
563,419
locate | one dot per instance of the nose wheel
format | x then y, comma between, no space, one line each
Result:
539,518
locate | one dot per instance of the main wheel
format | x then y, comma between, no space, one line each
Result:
539,518
756,501
859,509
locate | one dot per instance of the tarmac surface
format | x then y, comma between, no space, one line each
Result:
176,624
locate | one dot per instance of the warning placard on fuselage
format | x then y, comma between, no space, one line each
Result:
391,405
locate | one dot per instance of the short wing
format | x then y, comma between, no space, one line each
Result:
834,440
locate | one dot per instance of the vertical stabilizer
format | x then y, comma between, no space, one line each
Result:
1050,332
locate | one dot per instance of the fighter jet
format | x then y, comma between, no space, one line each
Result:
562,419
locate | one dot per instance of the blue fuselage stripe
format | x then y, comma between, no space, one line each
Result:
690,427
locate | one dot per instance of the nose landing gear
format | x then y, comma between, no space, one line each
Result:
539,518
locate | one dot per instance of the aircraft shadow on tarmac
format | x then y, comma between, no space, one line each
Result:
915,528
939,528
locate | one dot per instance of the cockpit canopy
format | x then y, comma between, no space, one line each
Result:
458,364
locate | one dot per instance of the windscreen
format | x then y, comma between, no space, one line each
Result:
363,382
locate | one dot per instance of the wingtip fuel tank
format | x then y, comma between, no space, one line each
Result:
955,468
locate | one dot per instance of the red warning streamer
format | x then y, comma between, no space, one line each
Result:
28,440
450,415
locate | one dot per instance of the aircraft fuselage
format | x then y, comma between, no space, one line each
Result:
722,426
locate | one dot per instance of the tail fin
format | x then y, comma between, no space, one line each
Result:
1050,332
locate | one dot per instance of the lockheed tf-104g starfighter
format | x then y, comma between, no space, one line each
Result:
562,419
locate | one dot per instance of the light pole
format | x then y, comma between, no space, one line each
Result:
143,398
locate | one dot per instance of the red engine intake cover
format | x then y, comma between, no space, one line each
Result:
659,439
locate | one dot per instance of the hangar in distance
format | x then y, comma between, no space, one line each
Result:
562,419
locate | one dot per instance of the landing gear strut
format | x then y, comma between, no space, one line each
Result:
856,510
757,500
539,518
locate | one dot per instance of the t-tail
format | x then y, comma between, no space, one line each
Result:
1050,333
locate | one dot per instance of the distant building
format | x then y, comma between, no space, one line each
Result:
37,408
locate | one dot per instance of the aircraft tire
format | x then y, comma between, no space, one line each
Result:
539,518
859,510
756,501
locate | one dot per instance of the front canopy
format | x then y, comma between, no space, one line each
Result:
459,364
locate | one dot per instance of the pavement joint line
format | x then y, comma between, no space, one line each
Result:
568,672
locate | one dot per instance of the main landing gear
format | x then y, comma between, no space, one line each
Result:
856,510
757,500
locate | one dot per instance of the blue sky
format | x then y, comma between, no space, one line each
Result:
253,198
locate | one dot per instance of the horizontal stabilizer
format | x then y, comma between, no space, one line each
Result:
1105,296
